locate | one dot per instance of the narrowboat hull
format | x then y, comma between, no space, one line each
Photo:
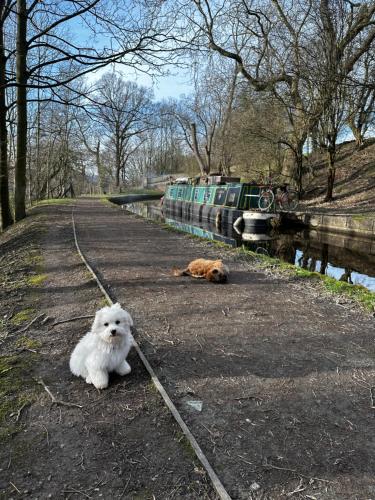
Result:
209,204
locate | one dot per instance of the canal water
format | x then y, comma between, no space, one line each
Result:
337,255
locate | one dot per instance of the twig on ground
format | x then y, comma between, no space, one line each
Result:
47,434
196,336
250,396
20,410
54,399
244,460
73,490
230,353
296,472
81,462
298,489
168,326
207,429
29,324
15,487
372,395
44,321
72,319
22,349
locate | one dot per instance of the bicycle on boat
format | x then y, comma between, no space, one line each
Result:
284,198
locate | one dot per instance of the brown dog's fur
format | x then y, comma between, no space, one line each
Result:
212,270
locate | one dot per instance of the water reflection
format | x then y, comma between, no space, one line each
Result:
342,257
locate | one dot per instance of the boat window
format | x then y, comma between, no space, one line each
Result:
220,196
207,194
232,198
196,194
179,192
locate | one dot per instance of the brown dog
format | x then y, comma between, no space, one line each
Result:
212,270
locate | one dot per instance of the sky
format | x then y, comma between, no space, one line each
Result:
172,85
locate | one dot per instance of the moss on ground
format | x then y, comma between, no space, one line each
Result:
36,279
17,390
22,316
28,343
34,259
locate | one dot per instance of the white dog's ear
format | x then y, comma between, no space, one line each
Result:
117,306
97,320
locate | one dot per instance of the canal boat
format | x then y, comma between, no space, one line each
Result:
220,200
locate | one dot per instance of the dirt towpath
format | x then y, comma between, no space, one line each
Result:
121,443
272,376
283,372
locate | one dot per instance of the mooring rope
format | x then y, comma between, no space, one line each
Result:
221,491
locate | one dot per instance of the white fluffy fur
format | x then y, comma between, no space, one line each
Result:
100,351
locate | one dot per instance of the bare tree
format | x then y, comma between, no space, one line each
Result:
276,48
6,214
361,98
139,35
124,111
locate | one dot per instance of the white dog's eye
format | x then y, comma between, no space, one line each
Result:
106,324
117,322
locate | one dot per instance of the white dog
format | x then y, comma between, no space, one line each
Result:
104,349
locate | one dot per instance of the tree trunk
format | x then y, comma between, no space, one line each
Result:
324,259
298,172
358,135
21,79
6,214
331,175
99,166
117,156
204,168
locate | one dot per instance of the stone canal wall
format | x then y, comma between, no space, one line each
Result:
342,223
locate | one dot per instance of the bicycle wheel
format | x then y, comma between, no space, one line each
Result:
265,200
289,200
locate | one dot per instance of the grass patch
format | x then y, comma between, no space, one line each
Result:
55,201
37,279
103,302
17,390
185,443
22,316
363,217
108,203
25,342
358,293
34,259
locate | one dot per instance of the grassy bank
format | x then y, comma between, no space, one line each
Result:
358,293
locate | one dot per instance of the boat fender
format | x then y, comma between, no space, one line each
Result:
237,223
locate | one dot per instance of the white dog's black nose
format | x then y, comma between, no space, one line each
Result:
113,332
